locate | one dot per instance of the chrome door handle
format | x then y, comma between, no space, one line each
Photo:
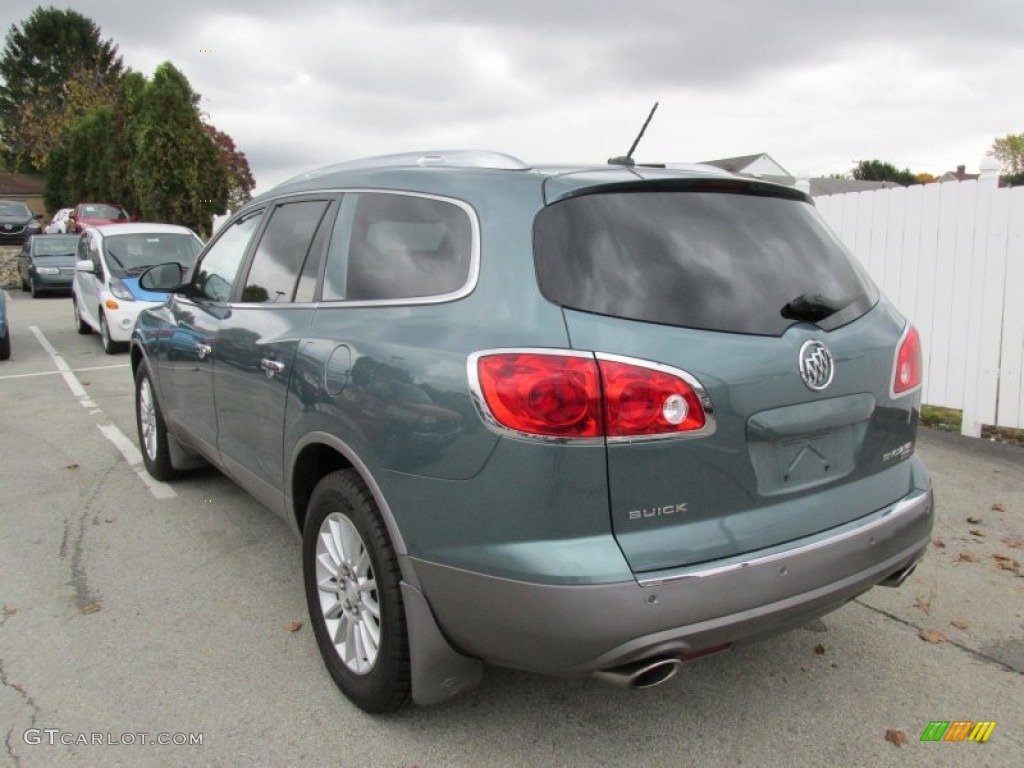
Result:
272,367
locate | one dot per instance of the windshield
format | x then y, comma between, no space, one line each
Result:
98,211
54,245
130,255
718,261
11,208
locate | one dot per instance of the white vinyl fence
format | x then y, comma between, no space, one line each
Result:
951,257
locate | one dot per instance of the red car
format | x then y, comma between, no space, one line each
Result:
94,214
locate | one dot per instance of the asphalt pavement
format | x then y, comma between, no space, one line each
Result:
136,612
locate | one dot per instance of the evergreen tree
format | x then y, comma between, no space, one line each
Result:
175,170
41,62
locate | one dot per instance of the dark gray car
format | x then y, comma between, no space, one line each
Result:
17,222
578,421
46,264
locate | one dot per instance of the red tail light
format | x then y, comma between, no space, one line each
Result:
907,370
574,395
541,394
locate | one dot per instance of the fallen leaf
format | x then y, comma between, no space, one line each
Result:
932,636
820,649
939,543
973,519
966,557
960,624
976,532
998,507
90,608
9,611
1013,540
295,626
71,466
897,737
1007,564
109,519
924,604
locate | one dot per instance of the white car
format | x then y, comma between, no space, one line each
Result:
59,223
105,293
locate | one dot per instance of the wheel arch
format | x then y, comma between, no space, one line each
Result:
438,671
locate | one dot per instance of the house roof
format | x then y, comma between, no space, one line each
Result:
21,184
734,164
761,165
822,187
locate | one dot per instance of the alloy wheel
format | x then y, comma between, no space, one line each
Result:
348,593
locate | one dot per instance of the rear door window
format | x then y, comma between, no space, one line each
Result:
723,261
282,251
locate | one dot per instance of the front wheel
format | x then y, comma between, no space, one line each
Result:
5,346
354,595
152,430
109,345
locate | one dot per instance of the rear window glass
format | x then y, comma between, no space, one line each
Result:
709,260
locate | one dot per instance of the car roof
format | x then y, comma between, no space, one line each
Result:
433,171
140,228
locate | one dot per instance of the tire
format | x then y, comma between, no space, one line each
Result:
24,284
5,346
36,293
80,325
152,431
346,548
110,346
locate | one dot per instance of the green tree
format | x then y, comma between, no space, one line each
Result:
43,62
175,170
1009,151
878,170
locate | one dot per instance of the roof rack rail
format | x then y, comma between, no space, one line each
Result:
449,158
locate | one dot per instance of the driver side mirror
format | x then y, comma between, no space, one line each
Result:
164,278
85,265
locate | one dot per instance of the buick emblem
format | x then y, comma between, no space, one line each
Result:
7,227
816,368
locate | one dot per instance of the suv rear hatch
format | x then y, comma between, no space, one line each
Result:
733,282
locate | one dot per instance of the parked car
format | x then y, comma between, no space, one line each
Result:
46,264
59,223
677,415
17,222
5,330
94,215
105,293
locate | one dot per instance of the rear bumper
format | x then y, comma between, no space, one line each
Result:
575,630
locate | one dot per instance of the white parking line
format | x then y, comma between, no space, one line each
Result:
111,432
134,458
55,373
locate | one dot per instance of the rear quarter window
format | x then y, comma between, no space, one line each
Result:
389,247
709,260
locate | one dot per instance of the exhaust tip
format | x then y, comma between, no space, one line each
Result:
641,674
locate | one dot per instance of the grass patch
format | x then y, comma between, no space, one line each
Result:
949,420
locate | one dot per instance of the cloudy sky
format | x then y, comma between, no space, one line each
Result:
817,84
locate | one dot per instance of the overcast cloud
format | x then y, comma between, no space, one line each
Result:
817,84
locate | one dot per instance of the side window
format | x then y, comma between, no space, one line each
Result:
83,247
215,274
399,247
282,251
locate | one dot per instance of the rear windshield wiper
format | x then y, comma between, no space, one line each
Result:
812,307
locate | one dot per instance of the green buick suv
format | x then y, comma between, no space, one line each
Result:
571,420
